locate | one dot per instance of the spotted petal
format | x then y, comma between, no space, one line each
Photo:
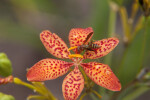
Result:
102,75
77,36
106,46
54,44
47,69
73,85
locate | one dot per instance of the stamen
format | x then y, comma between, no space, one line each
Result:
75,55
72,48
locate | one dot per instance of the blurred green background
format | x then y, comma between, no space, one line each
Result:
21,22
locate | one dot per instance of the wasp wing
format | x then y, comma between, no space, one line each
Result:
87,38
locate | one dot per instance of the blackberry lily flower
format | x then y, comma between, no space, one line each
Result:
73,84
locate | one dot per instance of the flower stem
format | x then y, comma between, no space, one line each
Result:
82,96
84,75
97,94
36,97
20,82
43,92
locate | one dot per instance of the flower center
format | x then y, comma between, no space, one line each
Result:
77,61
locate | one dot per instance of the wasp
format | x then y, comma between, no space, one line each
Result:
88,47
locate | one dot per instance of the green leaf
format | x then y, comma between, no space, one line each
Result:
131,63
125,92
6,97
5,65
147,49
137,92
134,56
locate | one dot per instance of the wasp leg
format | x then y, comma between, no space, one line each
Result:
71,48
93,41
75,56
90,49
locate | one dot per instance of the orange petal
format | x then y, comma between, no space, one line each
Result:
106,46
77,36
54,44
102,75
48,69
73,85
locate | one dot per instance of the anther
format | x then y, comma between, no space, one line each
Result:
71,48
75,56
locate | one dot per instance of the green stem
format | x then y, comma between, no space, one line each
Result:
20,82
82,96
40,91
94,97
43,88
84,75
111,28
36,97
50,96
97,94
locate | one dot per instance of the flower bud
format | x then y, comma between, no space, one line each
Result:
6,97
5,65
